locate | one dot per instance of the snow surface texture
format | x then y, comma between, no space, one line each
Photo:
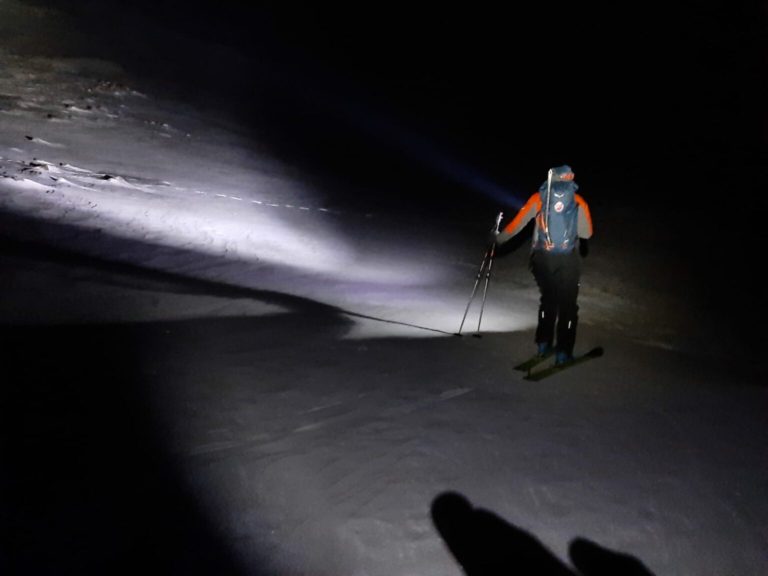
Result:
296,365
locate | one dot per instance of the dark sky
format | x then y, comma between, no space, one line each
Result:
654,89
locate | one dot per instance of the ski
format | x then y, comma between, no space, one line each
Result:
551,370
533,361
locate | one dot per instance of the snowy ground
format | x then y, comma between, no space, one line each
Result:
216,365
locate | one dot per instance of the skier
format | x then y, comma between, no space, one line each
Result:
563,225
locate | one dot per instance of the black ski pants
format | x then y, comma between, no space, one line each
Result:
557,276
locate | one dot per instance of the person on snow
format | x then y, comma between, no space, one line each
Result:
563,225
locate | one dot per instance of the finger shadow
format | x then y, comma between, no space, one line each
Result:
484,544
593,560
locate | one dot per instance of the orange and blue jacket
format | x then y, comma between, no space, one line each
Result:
533,209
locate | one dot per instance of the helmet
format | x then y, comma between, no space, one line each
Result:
563,172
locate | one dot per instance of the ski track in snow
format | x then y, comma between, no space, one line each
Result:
50,177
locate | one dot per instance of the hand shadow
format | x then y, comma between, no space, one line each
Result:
485,545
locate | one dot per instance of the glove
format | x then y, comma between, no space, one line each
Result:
583,247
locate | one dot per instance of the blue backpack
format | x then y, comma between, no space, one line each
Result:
557,223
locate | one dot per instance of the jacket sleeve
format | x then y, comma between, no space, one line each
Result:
585,218
524,215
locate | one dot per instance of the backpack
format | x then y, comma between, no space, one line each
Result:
557,222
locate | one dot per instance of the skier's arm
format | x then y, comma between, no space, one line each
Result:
525,215
585,218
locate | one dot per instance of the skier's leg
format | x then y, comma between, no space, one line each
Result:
568,277
545,327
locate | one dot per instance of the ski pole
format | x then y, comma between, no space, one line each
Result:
474,288
548,239
488,276
489,252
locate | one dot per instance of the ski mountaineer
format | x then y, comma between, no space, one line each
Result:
563,225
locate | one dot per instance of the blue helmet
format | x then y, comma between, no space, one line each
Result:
561,171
